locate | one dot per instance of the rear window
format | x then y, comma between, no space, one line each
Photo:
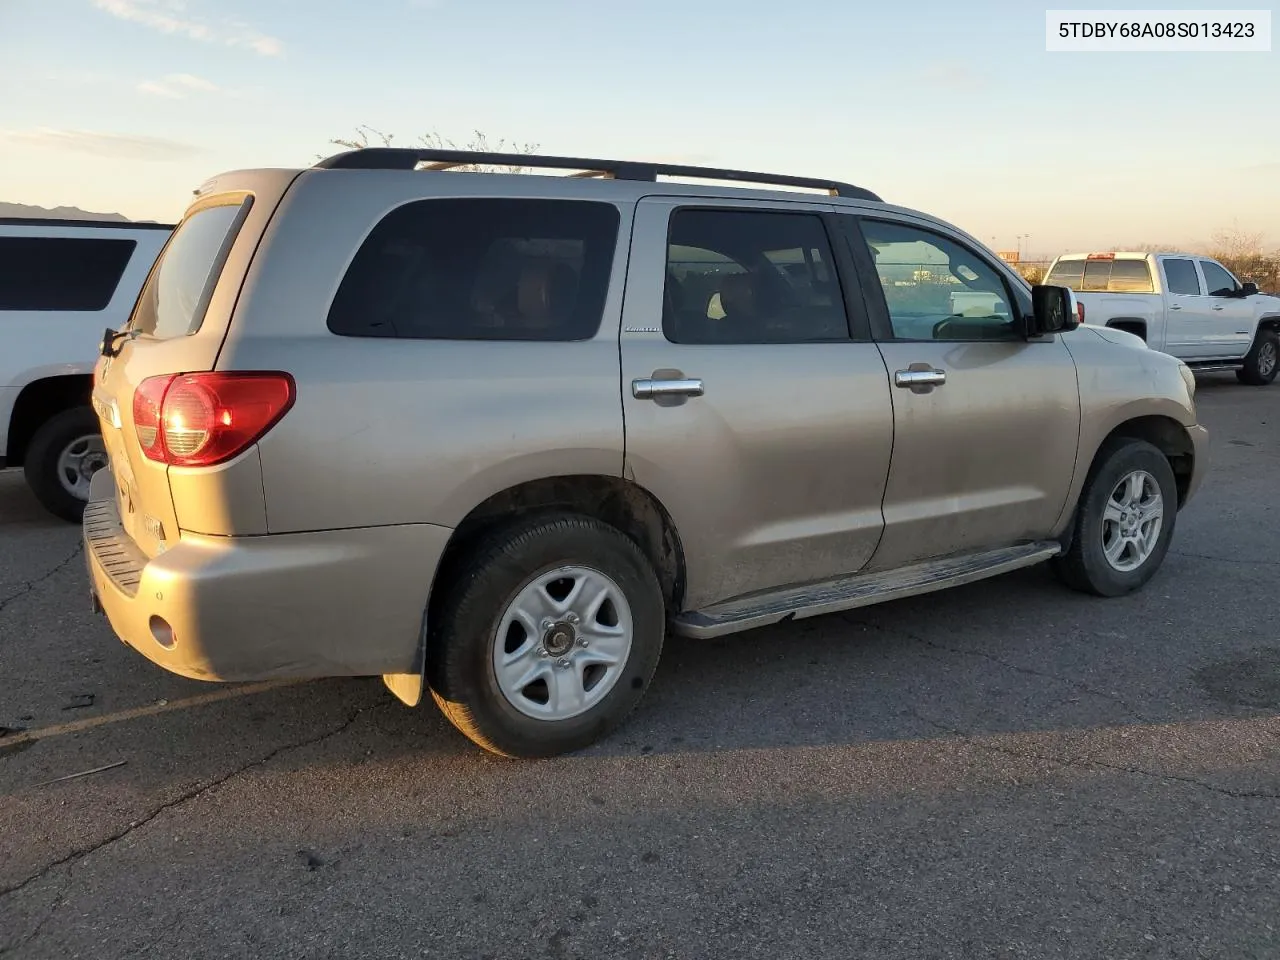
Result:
177,293
1103,276
61,273
1066,273
481,269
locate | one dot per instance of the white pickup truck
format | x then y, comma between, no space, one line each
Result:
1186,305
62,284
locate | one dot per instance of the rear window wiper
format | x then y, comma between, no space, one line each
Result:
113,341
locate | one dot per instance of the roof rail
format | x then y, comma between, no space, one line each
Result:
408,158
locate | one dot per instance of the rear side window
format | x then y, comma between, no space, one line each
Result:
481,269
61,273
1066,273
1181,277
177,293
745,276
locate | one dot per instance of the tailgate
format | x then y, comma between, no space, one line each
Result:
177,327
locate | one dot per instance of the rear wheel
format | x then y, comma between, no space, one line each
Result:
1124,521
61,459
1263,362
547,635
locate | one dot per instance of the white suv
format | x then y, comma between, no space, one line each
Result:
62,283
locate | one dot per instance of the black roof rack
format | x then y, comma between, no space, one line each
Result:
67,222
408,158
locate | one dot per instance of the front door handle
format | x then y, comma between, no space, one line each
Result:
650,389
1175,306
919,378
1217,308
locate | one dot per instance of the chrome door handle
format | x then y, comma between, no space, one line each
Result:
648,389
919,378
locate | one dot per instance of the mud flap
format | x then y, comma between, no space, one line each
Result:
406,686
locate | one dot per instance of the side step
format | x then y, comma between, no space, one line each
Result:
859,590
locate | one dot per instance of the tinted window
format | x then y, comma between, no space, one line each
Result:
936,289
740,276
61,273
481,269
1180,275
1130,276
1217,281
178,291
1066,273
1097,274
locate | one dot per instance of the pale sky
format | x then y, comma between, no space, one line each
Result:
951,107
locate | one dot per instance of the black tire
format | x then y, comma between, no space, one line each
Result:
1263,362
1084,566
475,597
40,464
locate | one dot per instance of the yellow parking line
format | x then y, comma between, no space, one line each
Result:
77,726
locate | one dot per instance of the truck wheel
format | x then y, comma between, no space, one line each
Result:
1124,521
546,636
66,451
1263,361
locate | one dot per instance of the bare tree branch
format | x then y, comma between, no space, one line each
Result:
366,136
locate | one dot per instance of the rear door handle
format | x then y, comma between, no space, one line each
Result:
919,378
649,389
1217,308
1175,306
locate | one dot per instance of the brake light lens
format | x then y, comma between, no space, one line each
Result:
202,419
1079,312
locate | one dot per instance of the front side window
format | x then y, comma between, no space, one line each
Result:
936,289
176,295
481,269
1180,277
1217,281
747,276
61,273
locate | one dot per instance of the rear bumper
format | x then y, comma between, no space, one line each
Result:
299,605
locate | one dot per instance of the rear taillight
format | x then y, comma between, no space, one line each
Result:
1079,312
199,419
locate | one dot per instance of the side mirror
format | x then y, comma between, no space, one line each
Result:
1053,310
1248,289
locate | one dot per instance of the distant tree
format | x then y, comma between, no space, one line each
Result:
1241,252
367,136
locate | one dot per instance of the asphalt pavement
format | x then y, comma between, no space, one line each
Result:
1003,770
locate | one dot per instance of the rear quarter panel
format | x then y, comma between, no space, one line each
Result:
388,431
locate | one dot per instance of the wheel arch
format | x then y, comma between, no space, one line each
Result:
1165,434
622,504
37,402
1138,326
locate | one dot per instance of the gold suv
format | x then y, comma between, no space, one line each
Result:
492,436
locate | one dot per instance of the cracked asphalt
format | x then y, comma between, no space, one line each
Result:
1003,770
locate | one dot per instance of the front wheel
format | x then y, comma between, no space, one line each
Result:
1124,521
546,636
1263,362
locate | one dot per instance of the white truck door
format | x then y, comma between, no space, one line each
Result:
1229,326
